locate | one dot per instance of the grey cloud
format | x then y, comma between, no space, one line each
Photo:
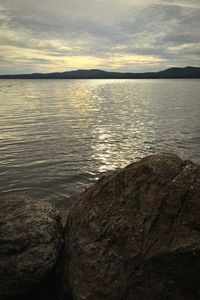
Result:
163,26
104,28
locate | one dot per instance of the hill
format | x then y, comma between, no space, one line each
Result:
187,72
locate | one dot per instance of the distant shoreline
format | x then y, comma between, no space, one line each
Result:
158,78
171,73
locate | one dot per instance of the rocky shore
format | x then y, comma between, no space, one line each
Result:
133,235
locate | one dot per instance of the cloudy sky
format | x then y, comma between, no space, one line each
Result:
121,35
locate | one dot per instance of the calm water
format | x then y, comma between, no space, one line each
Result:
58,136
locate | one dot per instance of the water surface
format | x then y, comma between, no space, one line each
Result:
58,136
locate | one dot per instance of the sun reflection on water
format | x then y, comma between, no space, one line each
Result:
62,134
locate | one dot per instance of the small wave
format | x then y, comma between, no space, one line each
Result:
34,189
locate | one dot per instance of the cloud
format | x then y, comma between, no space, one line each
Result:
119,35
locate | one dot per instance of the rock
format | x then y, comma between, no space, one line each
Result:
135,234
30,243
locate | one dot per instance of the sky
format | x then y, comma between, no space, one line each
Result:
113,35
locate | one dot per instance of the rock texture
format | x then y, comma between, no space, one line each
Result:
135,234
30,242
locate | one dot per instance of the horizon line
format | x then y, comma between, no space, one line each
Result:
102,70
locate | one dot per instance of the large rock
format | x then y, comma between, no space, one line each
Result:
30,242
135,234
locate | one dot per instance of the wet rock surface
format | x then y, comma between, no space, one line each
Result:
135,234
30,243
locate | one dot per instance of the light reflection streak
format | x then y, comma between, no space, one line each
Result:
63,134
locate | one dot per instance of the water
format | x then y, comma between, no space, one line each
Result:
59,136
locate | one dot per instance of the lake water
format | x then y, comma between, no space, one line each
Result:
59,136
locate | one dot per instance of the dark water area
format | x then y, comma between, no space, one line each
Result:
59,136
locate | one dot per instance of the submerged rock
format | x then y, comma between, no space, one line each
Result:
30,243
135,234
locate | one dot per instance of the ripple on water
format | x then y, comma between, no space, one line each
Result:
59,136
